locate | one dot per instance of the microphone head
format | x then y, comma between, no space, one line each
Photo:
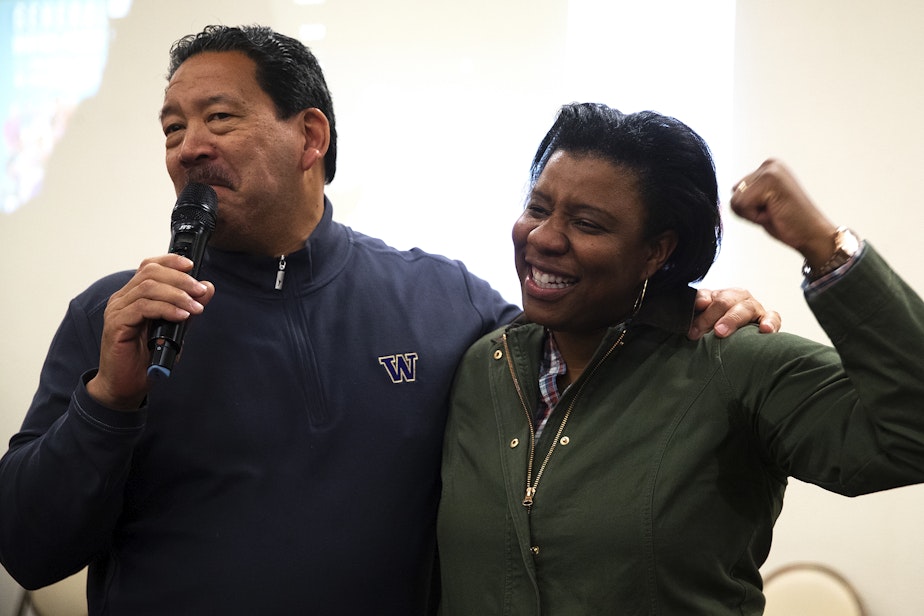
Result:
197,204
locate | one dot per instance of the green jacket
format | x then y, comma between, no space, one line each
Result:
662,497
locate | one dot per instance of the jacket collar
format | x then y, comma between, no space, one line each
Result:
323,256
671,310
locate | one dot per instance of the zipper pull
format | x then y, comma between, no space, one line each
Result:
528,499
281,273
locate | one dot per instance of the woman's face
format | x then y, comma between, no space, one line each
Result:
580,253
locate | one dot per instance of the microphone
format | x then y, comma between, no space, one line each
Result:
192,223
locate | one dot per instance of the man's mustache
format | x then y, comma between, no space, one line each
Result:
210,174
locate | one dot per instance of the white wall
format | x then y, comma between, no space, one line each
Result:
837,89
832,88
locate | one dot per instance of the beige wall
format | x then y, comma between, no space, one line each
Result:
837,90
833,88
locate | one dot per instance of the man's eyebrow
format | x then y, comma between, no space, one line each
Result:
164,111
169,108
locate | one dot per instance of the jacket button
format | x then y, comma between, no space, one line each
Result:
498,354
564,440
514,443
534,550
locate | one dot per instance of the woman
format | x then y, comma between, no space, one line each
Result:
599,462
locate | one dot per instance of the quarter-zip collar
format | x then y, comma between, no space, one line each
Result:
323,256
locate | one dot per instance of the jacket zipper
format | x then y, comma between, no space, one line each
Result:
281,273
533,485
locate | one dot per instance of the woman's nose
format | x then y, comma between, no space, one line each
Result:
548,236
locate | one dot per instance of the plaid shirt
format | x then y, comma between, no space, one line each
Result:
552,366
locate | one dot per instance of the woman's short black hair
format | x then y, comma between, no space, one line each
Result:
675,170
286,70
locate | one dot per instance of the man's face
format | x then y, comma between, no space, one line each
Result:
221,129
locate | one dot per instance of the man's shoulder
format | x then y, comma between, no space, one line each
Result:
379,248
415,263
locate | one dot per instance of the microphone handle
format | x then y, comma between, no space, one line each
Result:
166,339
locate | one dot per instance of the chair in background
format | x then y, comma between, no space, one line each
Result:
810,589
65,598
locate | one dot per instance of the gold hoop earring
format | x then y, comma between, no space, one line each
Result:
640,299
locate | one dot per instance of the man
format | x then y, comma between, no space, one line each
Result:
290,462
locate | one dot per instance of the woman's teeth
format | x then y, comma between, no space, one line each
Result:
545,280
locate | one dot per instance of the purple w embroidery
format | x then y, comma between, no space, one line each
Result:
400,368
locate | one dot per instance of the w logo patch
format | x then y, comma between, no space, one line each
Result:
400,368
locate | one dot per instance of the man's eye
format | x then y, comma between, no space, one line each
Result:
172,128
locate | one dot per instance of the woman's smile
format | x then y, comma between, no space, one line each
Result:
548,280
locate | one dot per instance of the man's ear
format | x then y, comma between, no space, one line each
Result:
316,129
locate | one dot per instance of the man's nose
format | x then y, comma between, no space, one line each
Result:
198,144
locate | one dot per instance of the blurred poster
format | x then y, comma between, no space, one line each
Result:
52,56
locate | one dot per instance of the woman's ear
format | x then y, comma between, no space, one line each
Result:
661,247
316,129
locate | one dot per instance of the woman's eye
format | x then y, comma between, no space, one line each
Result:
536,210
587,225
